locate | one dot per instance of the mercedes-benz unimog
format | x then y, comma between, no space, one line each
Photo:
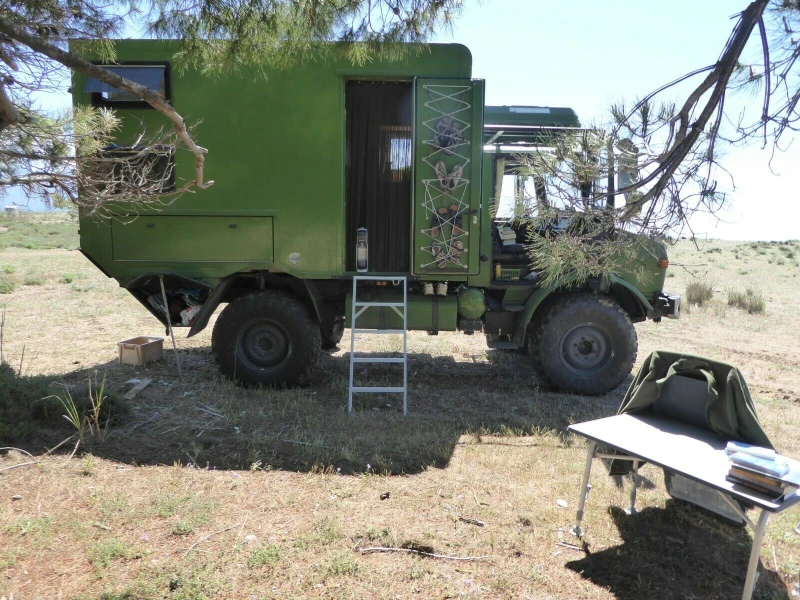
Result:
329,170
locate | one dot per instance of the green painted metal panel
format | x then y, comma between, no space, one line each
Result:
193,239
645,302
517,294
276,147
425,313
447,172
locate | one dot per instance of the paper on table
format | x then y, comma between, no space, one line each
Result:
759,451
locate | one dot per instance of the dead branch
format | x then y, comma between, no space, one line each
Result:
421,553
98,72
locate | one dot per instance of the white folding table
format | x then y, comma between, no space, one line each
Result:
683,449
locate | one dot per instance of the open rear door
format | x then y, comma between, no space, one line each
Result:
448,142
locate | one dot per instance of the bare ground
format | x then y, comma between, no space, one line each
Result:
209,491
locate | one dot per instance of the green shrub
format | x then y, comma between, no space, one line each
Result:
268,555
749,300
28,403
699,292
67,279
33,279
9,269
18,394
7,284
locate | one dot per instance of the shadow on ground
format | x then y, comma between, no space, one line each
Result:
211,423
677,547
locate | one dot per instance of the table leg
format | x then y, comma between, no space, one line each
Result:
755,553
634,477
577,531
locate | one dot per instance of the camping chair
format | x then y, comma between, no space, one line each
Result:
703,393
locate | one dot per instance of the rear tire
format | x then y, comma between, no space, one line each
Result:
265,338
583,343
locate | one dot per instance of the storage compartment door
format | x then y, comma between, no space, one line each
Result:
448,142
179,239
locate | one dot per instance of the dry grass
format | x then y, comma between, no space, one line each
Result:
225,493
699,292
749,300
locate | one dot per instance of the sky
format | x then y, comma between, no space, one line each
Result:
586,54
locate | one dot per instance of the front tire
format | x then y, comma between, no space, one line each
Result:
583,343
265,338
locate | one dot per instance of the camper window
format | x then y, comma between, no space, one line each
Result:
152,76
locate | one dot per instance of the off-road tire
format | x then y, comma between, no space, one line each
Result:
331,336
265,338
583,343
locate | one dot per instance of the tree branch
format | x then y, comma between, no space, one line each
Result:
98,72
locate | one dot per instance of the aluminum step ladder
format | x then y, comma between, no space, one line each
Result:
357,309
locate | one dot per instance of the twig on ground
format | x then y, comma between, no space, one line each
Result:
207,409
421,553
20,450
581,548
471,521
74,450
23,464
306,444
242,527
210,535
474,495
35,460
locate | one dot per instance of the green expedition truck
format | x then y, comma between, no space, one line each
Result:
329,170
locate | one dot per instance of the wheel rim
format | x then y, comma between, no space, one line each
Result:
263,345
586,348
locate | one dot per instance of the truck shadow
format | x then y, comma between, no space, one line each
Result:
210,422
657,546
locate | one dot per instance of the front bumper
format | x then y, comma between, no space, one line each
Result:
667,305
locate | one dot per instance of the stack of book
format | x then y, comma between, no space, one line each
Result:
763,470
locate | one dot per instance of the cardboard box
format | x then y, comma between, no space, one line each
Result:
141,350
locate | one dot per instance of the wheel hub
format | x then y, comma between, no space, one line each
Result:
263,345
585,348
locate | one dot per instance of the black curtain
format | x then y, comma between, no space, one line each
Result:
379,172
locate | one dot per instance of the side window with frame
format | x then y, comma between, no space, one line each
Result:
154,76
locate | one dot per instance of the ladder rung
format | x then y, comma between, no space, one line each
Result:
365,359
396,304
395,331
379,389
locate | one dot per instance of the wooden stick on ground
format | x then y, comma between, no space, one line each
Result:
137,388
420,552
